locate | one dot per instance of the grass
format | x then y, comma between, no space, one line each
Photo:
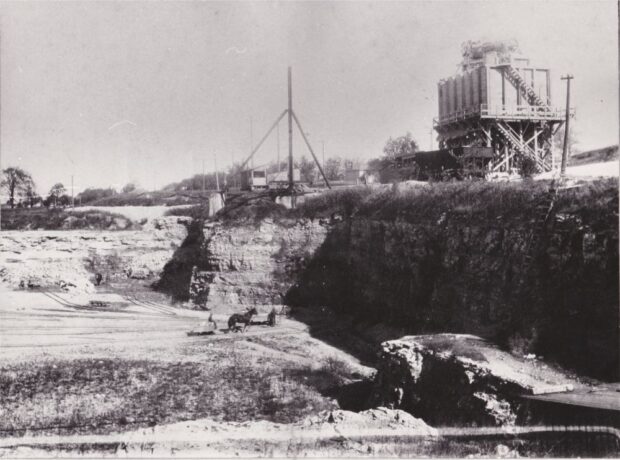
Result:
460,200
221,380
63,219
157,198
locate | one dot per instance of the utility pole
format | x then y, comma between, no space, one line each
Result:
278,145
291,117
290,130
203,176
251,140
72,199
217,178
568,78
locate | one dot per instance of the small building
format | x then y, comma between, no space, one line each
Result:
254,179
280,180
359,176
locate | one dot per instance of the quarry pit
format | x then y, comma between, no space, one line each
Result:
380,296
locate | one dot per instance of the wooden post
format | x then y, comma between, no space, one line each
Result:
568,78
290,130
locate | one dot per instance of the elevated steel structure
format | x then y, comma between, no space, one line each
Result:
499,100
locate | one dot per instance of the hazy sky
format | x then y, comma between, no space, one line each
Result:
144,91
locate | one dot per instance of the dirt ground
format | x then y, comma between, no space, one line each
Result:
69,367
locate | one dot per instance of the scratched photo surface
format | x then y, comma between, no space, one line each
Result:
309,228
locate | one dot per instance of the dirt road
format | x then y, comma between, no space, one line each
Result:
48,324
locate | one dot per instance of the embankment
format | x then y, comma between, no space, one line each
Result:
472,258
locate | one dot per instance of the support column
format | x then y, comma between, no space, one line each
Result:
290,130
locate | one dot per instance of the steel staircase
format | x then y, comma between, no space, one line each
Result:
517,80
523,149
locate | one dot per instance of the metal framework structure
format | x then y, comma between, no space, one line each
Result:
291,117
514,131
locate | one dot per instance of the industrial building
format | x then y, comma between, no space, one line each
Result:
499,100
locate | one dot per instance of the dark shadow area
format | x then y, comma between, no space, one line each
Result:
177,274
354,396
372,281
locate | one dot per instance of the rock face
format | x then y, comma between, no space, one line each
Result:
470,269
475,276
460,379
69,259
252,265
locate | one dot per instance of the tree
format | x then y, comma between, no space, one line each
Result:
333,168
92,194
400,146
64,200
31,194
55,192
131,187
15,180
307,169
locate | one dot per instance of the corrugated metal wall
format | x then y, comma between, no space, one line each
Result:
459,92
484,91
486,85
495,92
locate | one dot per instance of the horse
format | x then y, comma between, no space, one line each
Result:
245,319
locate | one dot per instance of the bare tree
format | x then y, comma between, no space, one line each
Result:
15,180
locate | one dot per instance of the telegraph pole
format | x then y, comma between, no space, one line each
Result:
217,178
291,117
251,140
203,176
568,78
290,130
278,145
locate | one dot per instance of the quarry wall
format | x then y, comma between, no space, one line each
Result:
456,273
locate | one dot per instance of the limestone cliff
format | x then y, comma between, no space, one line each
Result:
459,261
253,265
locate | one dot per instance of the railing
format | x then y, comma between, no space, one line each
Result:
523,112
517,112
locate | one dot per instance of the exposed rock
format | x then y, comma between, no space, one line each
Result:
69,258
460,378
253,265
380,417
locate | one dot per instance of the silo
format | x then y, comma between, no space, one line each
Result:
467,90
475,81
483,85
450,93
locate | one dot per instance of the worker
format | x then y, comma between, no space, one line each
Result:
271,317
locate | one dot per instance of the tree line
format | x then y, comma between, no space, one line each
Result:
21,189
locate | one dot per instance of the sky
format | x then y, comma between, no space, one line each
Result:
149,92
